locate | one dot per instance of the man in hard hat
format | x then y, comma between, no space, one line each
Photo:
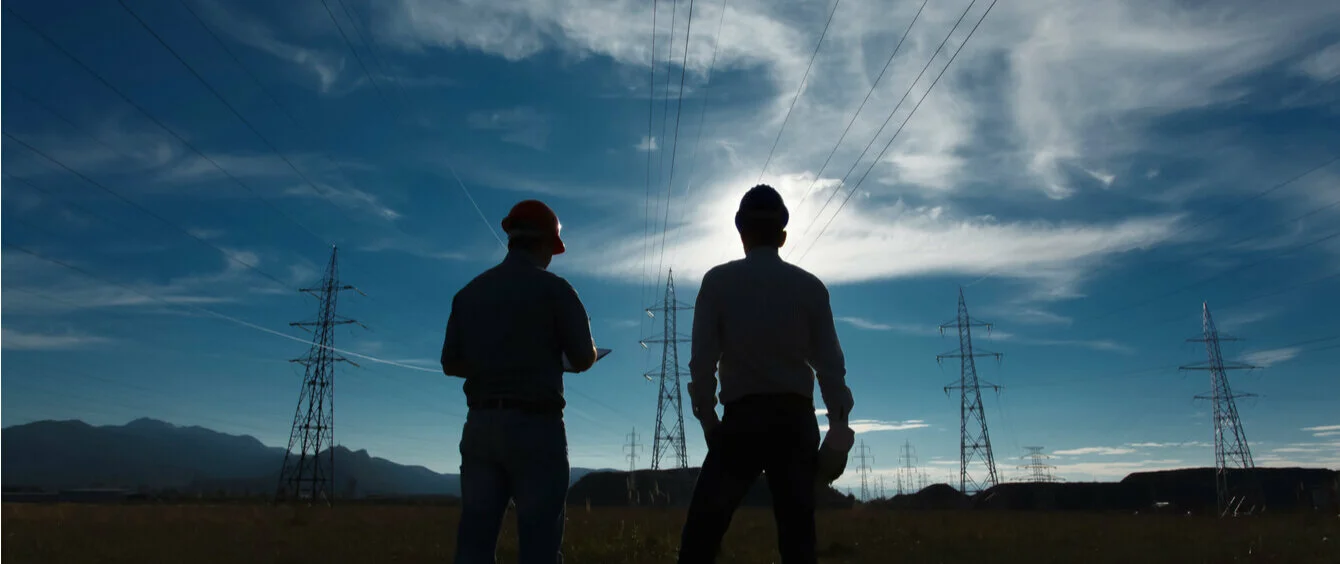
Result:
507,335
767,327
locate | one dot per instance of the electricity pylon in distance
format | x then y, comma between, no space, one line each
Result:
1230,442
1038,469
863,455
669,437
305,474
631,449
974,440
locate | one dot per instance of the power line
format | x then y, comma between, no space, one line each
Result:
210,312
674,150
1217,276
900,127
873,86
132,203
702,119
283,108
482,217
799,89
37,101
231,108
875,137
357,57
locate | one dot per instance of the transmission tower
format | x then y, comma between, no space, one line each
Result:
1230,442
669,404
909,458
309,473
974,441
631,449
863,469
1038,469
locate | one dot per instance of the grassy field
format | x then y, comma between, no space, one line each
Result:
255,534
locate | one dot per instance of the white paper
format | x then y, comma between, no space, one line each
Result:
600,353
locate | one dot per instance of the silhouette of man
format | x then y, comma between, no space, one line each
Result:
767,327
508,333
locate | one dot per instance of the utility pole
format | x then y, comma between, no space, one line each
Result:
630,450
864,470
909,465
669,438
305,475
974,440
881,487
1230,442
1038,470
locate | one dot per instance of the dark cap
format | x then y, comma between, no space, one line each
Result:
762,204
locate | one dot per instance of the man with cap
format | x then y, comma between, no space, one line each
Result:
766,327
509,331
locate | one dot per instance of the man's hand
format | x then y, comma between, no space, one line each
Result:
710,424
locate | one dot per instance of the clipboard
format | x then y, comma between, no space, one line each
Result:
600,353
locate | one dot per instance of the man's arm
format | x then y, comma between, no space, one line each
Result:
453,361
574,329
830,367
706,352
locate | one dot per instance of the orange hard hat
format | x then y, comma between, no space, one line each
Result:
534,218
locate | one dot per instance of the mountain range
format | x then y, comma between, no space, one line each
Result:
151,455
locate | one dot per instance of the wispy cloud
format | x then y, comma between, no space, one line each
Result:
523,125
16,340
413,248
905,328
1271,357
1185,444
1324,430
647,144
1324,65
1094,344
1100,451
875,425
1237,319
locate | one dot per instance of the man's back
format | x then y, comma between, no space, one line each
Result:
767,322
510,327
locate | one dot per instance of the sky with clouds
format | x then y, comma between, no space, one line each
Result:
1088,172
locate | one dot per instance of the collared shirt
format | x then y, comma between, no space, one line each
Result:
767,326
510,327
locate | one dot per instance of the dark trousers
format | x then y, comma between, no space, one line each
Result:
774,435
510,455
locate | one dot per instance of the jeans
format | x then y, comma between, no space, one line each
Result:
777,435
510,455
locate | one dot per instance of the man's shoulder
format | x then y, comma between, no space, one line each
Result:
806,278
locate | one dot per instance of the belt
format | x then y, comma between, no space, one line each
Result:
780,401
517,404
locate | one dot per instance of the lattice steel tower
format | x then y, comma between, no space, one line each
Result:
309,473
864,458
909,469
1230,442
974,440
669,398
630,450
1038,469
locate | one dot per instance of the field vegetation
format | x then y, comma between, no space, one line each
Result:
368,533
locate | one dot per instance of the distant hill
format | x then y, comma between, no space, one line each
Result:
152,455
1189,489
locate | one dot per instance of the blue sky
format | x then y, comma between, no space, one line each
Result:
1091,172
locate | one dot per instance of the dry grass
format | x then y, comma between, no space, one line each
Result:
256,534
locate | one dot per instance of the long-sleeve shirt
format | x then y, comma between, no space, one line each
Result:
767,326
509,329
